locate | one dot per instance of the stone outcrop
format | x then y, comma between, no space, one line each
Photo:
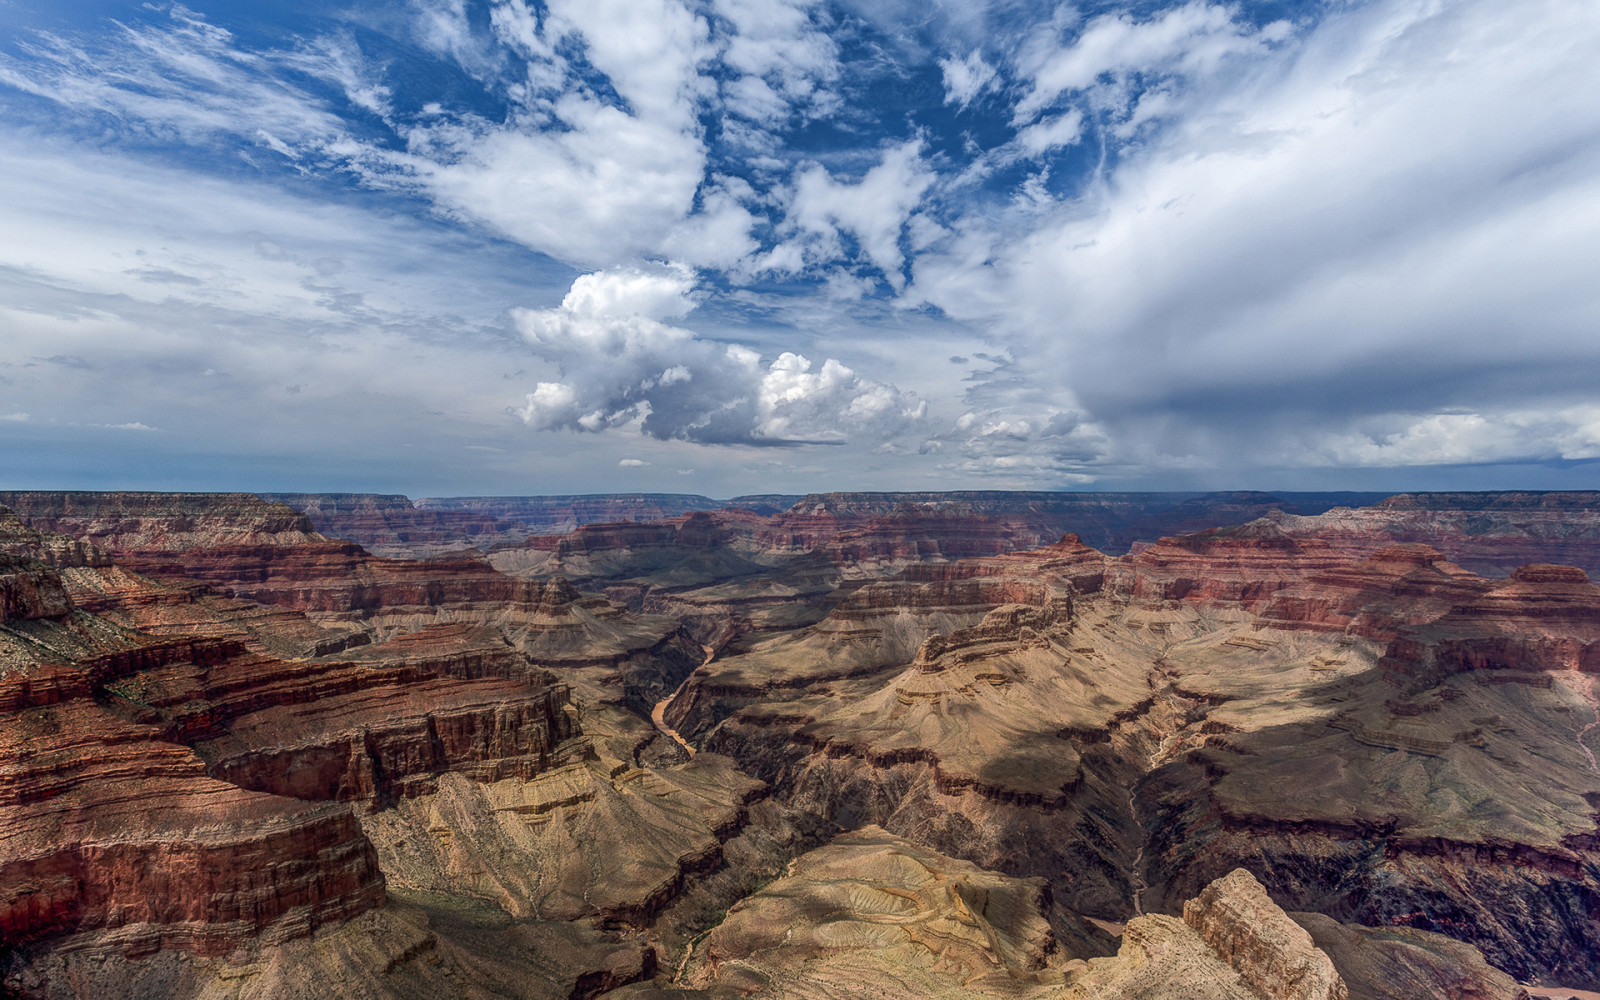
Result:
165,793
1274,956
870,908
107,827
1543,618
124,523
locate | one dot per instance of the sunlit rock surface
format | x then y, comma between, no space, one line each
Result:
841,745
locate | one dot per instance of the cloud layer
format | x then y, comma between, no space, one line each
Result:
1163,243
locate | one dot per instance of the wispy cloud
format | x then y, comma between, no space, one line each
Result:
1166,239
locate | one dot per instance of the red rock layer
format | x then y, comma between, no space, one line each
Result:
1543,618
1399,585
171,522
104,826
30,589
173,791
1247,564
391,525
1067,560
1488,533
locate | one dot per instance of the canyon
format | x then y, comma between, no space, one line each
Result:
1231,745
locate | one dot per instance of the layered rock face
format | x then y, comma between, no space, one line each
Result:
179,795
1109,522
554,515
1273,955
1247,565
1488,533
871,914
114,832
934,756
1543,618
391,526
125,523
1397,585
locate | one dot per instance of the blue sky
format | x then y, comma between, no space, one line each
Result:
735,246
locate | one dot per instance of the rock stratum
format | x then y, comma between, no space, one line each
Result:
981,744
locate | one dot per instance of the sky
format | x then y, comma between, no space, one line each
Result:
460,247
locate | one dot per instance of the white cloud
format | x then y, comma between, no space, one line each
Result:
632,463
565,172
1361,241
1192,40
965,79
1391,214
1571,434
785,59
185,79
1052,133
873,210
620,365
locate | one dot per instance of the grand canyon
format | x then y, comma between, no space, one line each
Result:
1040,745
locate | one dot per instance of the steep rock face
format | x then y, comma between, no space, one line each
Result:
170,792
1273,955
696,548
1414,785
1397,585
978,729
123,523
1488,533
1543,618
263,551
31,589
30,586
106,827
1110,522
1246,565
1402,963
392,526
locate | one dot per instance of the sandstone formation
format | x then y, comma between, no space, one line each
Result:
392,526
840,745
169,797
1272,954
1488,533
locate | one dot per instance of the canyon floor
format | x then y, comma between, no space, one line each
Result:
1025,745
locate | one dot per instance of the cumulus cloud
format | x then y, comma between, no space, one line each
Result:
1052,133
1196,240
1569,434
620,363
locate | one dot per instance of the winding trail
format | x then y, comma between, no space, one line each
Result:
658,714
1136,883
1594,703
